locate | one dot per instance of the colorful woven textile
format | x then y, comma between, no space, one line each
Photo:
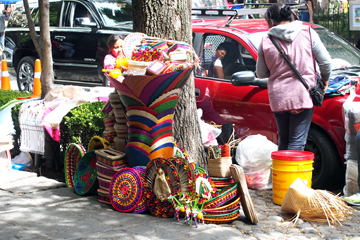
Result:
104,183
111,158
126,190
222,219
226,195
141,206
98,143
150,103
226,207
73,154
103,196
104,171
161,208
85,180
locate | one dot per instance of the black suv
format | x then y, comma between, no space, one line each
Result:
79,31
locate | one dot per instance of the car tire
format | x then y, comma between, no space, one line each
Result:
25,74
328,170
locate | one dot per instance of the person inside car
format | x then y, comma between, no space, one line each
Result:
115,44
289,100
216,66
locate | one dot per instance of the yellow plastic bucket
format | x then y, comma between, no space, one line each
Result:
288,165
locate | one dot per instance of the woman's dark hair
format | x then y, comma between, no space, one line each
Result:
113,39
222,46
278,13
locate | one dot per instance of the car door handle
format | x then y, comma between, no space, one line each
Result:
60,38
197,92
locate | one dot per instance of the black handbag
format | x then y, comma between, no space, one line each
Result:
317,92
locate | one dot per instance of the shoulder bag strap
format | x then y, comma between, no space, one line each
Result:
290,64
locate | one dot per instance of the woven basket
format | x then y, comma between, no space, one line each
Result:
209,213
104,183
228,206
111,158
74,153
222,220
218,167
85,180
98,143
105,172
225,196
103,196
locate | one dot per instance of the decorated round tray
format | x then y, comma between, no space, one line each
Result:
131,41
126,190
85,180
157,207
74,153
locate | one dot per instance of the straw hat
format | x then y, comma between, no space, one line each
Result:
246,202
314,205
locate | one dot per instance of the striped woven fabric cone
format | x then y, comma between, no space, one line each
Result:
150,103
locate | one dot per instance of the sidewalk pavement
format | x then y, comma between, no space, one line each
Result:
34,207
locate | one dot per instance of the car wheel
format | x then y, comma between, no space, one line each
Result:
328,171
25,74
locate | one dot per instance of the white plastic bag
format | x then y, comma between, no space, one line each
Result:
253,154
351,185
351,115
208,132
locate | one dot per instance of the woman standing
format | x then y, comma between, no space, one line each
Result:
307,15
289,100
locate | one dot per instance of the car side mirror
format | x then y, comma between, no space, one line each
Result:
84,22
247,78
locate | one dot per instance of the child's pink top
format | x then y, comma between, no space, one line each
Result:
109,62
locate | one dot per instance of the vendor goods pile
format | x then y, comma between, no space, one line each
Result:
109,161
151,56
149,101
314,205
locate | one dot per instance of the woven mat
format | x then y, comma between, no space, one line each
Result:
126,190
85,180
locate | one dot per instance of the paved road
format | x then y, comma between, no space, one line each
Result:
34,207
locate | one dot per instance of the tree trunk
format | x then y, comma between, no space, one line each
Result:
325,6
47,75
42,44
171,19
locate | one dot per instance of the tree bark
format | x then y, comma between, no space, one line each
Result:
42,44
171,19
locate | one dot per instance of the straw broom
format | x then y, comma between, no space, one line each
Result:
314,205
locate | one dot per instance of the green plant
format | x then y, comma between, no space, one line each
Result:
8,95
16,137
81,124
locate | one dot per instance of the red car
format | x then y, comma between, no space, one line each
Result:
245,102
